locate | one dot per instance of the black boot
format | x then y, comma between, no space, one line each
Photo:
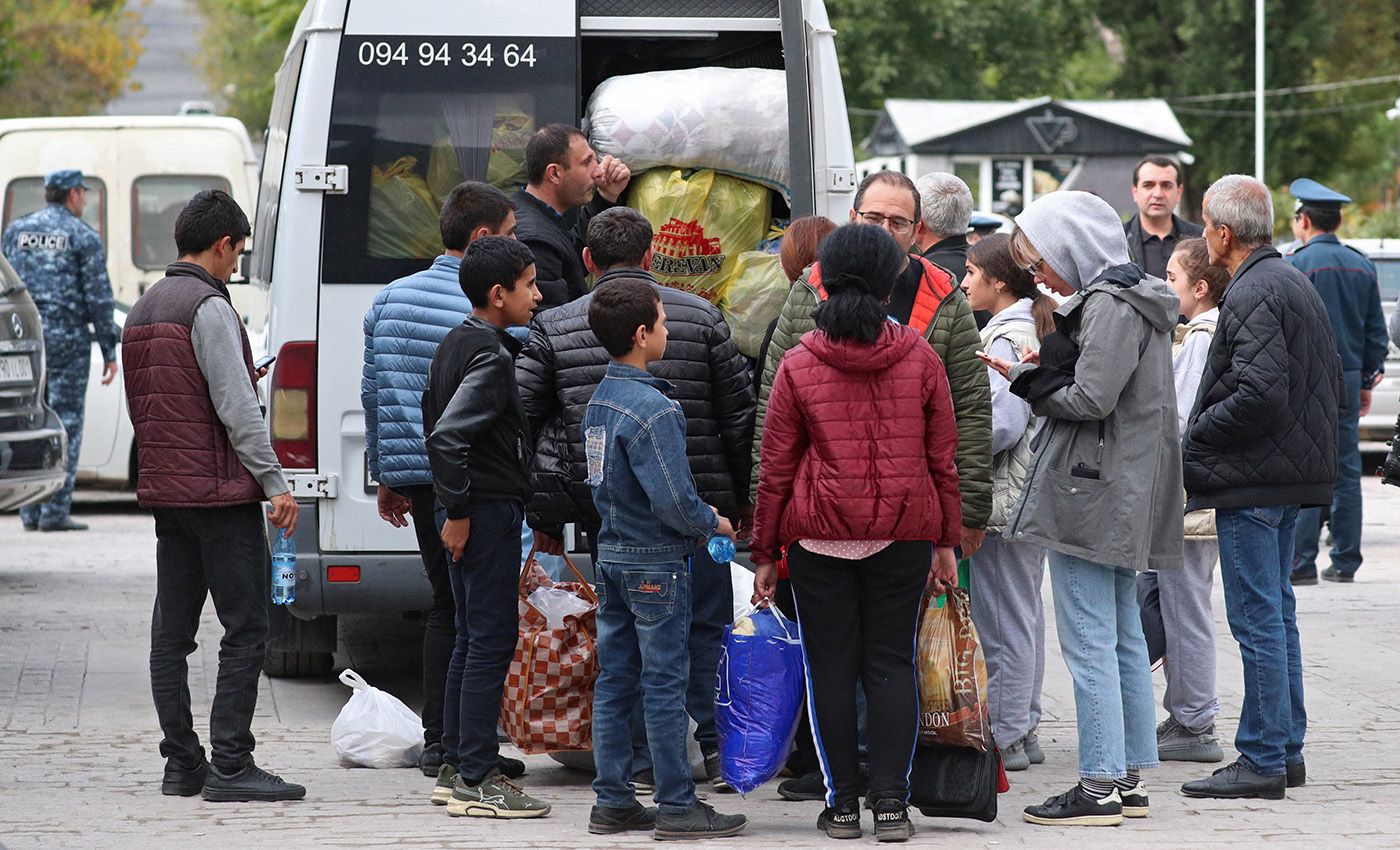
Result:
181,781
250,784
608,821
1236,781
700,822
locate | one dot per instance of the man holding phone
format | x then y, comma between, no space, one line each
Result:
204,466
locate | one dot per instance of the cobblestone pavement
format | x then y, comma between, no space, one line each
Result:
79,767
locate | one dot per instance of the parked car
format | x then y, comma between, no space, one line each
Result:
1379,424
32,441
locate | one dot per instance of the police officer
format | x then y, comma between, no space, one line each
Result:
1346,280
61,260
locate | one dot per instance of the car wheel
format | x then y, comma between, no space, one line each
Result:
281,664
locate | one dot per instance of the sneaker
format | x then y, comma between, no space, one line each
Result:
1014,756
809,786
1033,750
843,821
495,796
892,821
604,820
1297,775
512,768
30,526
1236,781
68,524
1076,807
1175,742
430,760
442,790
181,781
644,781
1334,574
1134,801
701,821
250,784
712,773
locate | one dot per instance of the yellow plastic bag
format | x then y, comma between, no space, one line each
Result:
754,298
952,675
403,215
702,221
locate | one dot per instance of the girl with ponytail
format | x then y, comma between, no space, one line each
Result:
857,484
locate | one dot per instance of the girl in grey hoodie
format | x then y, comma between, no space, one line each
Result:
1103,489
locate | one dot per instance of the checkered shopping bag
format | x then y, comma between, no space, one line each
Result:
548,700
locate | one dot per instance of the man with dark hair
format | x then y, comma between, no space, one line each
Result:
204,465
1345,278
403,328
567,186
478,450
61,260
1156,228
558,372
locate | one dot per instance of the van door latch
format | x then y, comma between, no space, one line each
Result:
313,486
334,179
841,179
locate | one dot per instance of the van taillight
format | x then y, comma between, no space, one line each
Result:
292,407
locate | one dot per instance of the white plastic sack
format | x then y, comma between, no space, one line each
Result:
556,603
375,728
733,120
741,586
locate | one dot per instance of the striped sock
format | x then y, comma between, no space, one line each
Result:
1096,788
1128,782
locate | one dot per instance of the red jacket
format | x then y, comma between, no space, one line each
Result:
858,445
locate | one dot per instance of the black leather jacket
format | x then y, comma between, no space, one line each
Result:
478,447
563,363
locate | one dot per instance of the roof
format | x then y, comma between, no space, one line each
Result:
123,122
920,121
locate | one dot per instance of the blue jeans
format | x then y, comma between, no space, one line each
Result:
484,590
643,651
1256,556
1346,496
1100,628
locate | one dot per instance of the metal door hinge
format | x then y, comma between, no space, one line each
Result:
313,486
333,179
841,179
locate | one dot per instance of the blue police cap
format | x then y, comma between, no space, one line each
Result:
1313,194
64,178
980,221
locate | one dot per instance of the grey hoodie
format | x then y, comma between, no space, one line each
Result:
1105,479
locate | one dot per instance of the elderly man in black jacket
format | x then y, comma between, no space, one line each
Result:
567,186
1261,441
562,364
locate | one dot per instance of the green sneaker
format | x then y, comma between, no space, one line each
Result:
493,797
442,791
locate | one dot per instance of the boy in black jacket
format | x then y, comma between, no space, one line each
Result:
478,451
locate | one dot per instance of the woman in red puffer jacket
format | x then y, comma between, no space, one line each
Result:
857,482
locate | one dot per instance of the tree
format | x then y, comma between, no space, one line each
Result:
63,57
243,43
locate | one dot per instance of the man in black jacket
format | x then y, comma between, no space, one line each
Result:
478,450
561,366
1261,441
567,186
945,208
1155,230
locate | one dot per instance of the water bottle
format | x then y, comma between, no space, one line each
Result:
284,570
721,549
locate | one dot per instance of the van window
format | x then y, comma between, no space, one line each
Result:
156,201
274,163
25,195
413,117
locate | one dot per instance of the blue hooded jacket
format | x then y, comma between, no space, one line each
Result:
403,328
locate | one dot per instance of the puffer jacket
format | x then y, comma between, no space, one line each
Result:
562,365
403,328
1264,429
860,445
1009,334
954,338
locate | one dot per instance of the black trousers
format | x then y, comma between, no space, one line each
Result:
439,631
859,622
803,758
203,552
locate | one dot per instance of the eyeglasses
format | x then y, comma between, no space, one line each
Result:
897,224
1033,269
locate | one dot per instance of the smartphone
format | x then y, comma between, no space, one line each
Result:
264,362
982,354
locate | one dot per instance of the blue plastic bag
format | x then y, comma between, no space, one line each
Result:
758,694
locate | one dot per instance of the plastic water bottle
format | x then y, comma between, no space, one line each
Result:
284,570
721,549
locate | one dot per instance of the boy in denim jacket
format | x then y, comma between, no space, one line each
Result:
652,520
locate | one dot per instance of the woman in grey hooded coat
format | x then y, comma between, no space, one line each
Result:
1103,493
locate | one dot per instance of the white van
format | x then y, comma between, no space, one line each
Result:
368,90
140,172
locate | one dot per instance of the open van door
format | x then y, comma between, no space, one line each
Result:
424,98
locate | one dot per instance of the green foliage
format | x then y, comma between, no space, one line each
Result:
63,57
243,45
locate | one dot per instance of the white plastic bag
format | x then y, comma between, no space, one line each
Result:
375,728
556,603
